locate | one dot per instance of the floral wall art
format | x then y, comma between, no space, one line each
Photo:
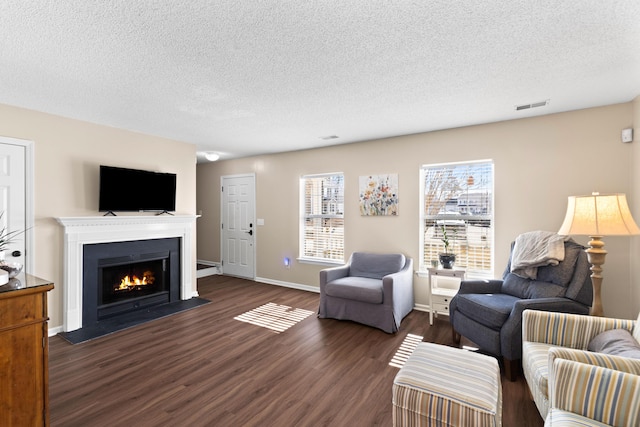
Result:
379,195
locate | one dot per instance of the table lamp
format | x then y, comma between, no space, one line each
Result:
598,215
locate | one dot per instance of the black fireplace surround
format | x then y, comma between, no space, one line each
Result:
123,277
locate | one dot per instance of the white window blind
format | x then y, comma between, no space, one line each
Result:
458,199
322,217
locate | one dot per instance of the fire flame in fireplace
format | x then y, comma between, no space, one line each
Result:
133,282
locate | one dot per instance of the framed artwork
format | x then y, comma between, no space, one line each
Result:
379,195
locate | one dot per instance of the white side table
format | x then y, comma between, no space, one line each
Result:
440,297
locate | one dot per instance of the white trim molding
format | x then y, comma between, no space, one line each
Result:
29,215
291,285
79,231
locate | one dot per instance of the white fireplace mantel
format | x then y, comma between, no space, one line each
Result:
79,231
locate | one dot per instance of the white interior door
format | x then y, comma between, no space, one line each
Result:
238,225
13,197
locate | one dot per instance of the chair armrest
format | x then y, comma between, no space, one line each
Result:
330,274
618,363
576,385
566,329
480,286
399,283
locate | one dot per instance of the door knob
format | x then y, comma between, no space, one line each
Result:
250,232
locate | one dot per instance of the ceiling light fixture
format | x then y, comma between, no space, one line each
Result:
212,157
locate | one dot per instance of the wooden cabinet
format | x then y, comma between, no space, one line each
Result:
24,352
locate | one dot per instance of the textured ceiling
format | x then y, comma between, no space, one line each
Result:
246,77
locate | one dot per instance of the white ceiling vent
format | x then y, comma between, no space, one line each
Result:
533,105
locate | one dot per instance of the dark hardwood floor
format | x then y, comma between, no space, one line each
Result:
203,368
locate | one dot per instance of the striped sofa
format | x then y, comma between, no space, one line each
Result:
548,336
598,396
445,386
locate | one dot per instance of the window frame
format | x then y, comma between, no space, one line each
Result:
474,273
302,257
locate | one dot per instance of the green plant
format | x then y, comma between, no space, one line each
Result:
6,236
445,238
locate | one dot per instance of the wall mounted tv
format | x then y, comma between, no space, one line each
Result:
134,190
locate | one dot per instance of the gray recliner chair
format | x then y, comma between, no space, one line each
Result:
372,289
489,312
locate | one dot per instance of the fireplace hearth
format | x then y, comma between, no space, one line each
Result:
120,278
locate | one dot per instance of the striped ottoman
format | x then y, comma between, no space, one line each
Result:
445,386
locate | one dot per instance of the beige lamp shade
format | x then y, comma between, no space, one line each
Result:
599,215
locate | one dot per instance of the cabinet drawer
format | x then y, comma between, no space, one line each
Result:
440,299
441,308
21,310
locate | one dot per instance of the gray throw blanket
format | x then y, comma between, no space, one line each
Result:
536,249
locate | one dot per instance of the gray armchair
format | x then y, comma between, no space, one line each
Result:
489,312
372,289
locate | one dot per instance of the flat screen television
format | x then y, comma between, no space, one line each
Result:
134,190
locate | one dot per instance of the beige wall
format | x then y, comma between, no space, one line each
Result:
635,206
67,155
538,163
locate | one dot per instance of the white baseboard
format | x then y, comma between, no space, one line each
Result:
215,268
299,286
421,307
205,262
55,331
